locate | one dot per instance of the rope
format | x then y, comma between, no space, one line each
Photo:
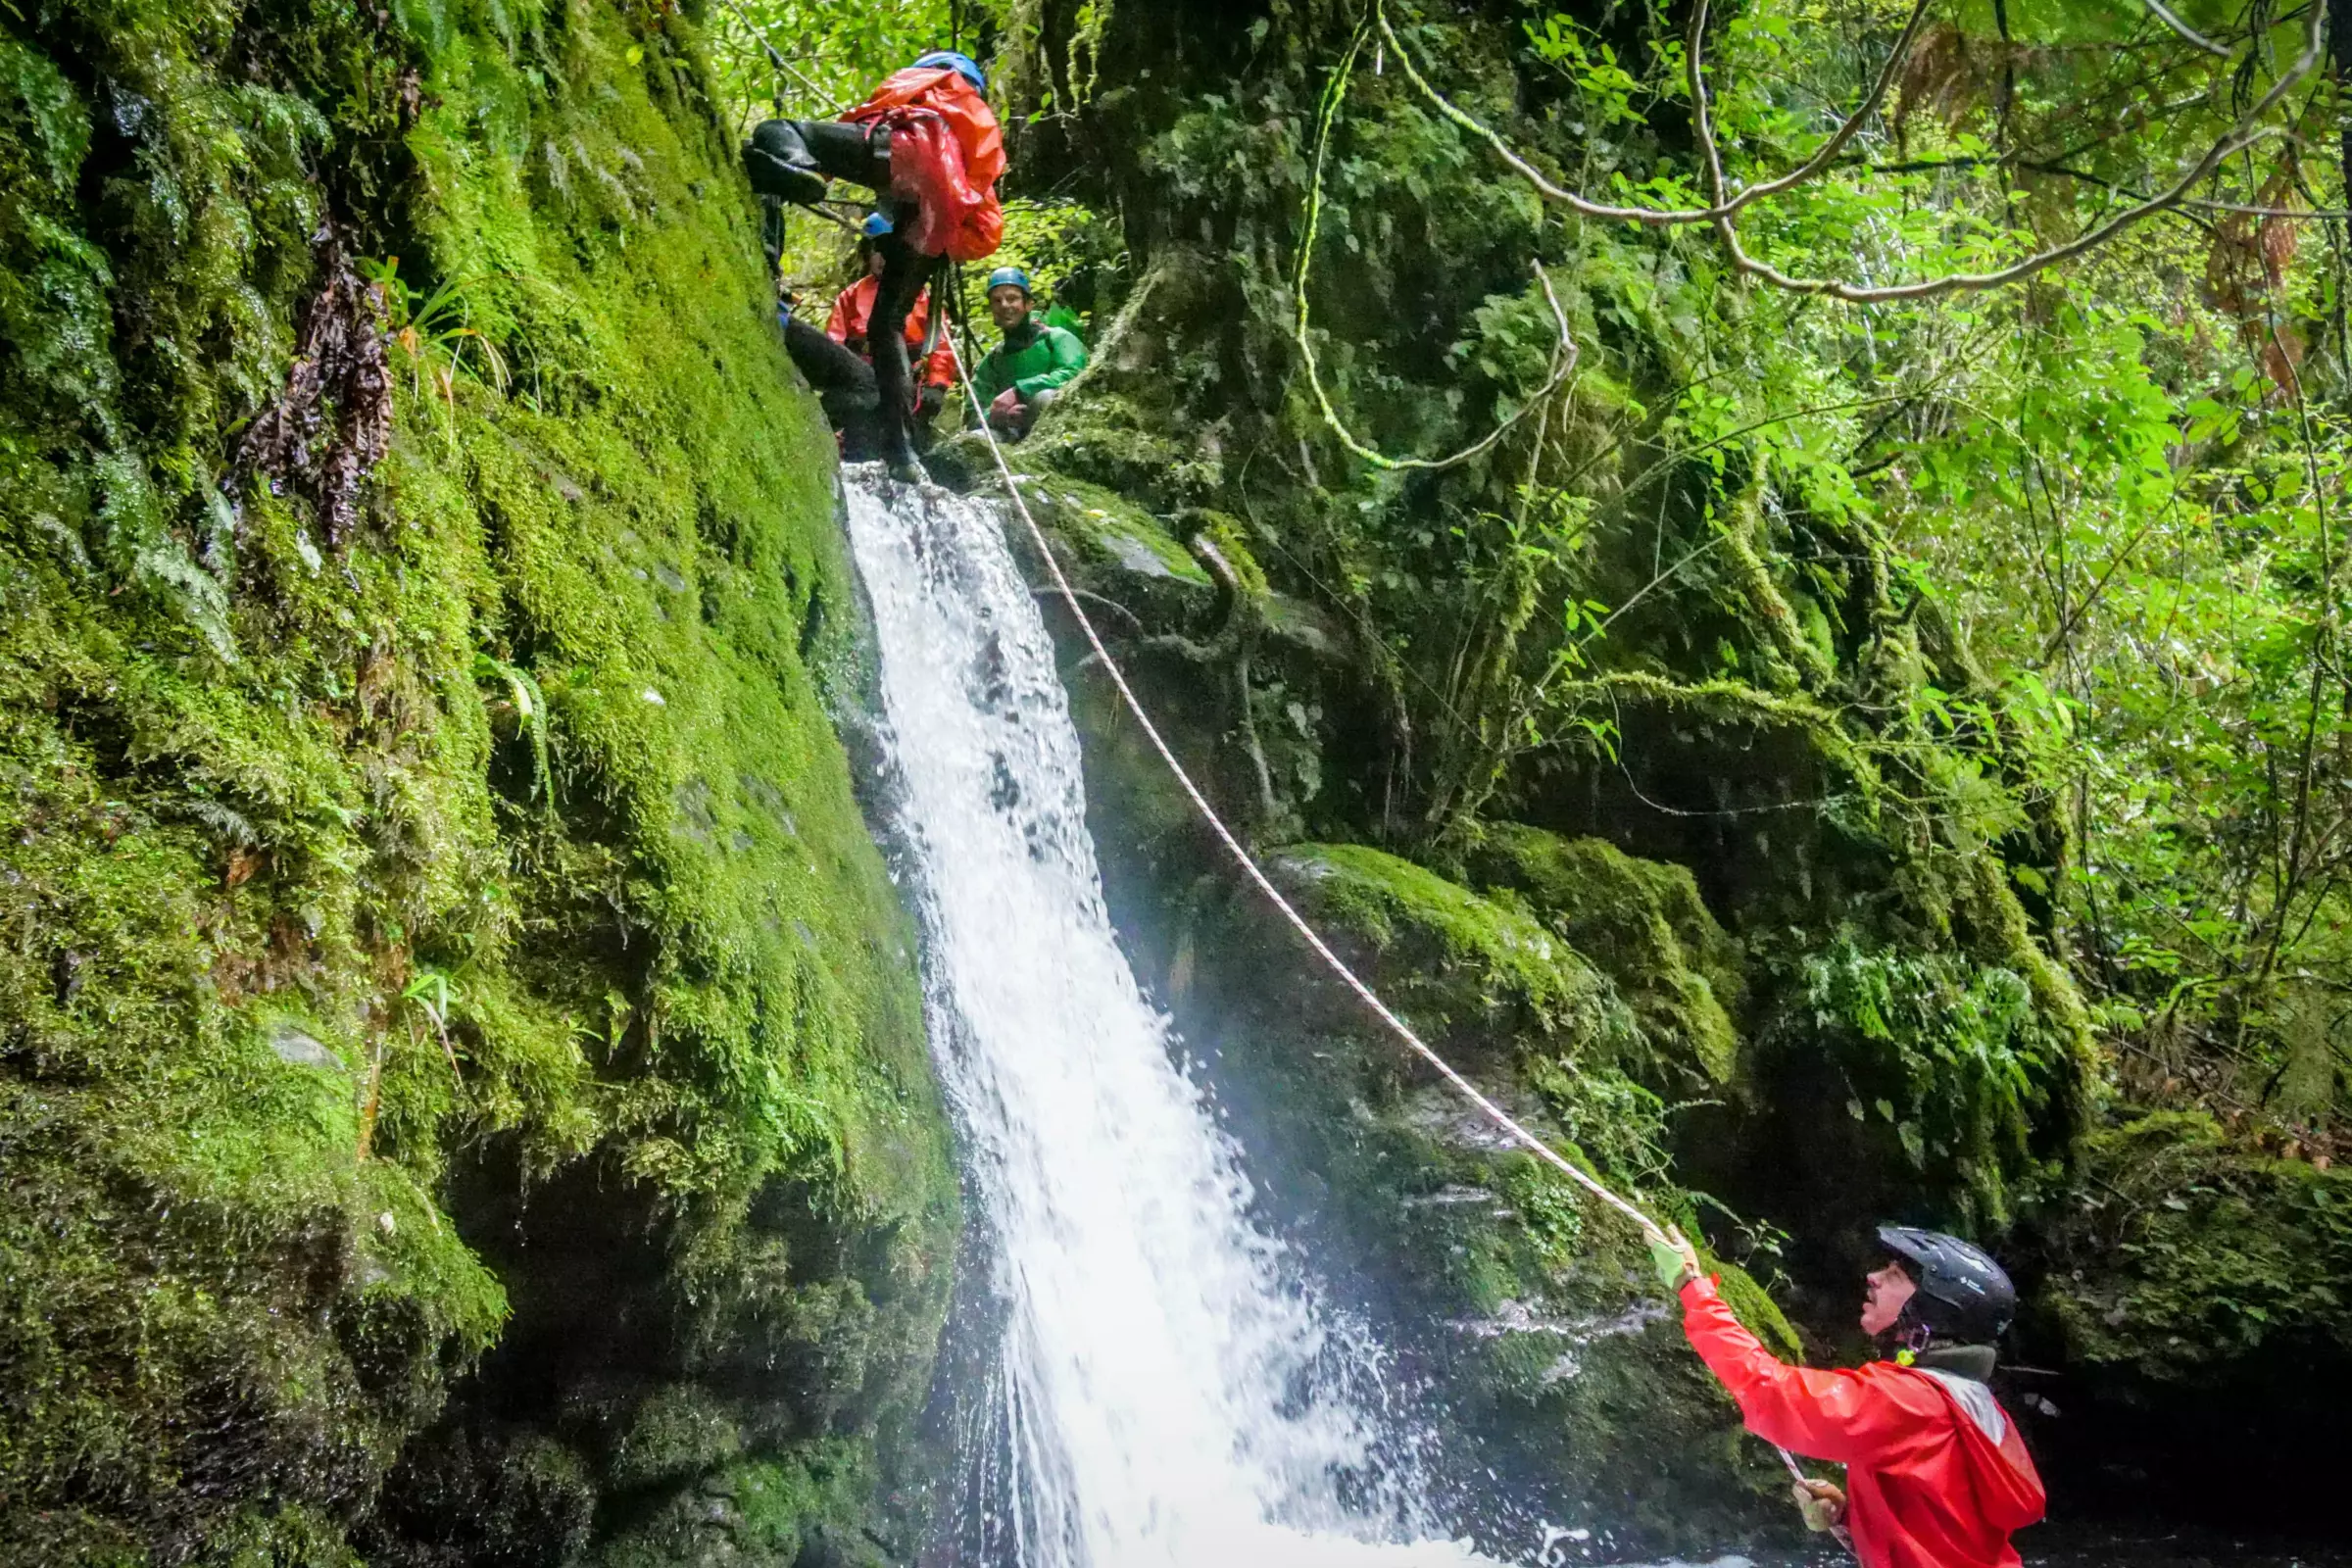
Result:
1649,1228
1501,1118
1563,358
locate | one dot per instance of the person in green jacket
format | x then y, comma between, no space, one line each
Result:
1026,373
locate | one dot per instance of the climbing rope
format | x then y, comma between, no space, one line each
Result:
1404,1030
1649,1228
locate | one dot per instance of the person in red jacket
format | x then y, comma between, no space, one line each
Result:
1936,1475
929,147
934,372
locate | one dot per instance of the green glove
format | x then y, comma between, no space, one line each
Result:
1673,1264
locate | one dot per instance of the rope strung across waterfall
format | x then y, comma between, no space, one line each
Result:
1404,1030
1250,866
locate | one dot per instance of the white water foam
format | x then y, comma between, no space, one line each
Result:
1172,1393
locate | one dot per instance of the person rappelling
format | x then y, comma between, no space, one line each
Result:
1025,371
928,146
1936,1475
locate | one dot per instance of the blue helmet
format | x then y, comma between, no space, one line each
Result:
1010,275
963,65
877,224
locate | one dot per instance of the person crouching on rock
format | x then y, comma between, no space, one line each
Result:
928,146
1936,1475
1024,373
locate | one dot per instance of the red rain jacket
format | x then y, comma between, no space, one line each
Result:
854,306
946,153
1926,1485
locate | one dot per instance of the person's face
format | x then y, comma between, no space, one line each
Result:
1008,303
1883,1299
873,260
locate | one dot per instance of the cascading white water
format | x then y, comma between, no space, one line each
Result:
1172,1394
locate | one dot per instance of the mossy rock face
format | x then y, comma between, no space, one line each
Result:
457,1027
1643,923
1536,1312
2192,1281
1468,972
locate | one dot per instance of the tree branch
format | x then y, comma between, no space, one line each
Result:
1723,209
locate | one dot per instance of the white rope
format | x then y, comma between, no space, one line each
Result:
1404,1030
1649,1228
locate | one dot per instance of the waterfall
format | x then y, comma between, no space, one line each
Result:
1168,1390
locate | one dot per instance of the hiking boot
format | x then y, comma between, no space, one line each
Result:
898,456
771,175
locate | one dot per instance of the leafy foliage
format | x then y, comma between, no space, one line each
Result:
1952,1058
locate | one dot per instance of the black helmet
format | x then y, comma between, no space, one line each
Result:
1963,1296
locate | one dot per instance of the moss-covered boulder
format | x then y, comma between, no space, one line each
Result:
1643,922
455,1025
2194,1281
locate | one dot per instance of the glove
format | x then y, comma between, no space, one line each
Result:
1676,1261
1822,1504
928,401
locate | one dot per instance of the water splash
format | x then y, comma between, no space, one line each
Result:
1168,1392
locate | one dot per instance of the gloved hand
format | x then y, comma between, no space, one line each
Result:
1675,1260
1822,1504
928,401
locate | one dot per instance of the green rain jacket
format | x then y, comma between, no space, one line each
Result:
1034,358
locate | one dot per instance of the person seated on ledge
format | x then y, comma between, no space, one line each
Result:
854,307
928,146
1936,1475
844,383
1024,373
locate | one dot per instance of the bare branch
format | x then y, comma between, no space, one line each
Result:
777,60
1723,209
2164,14
1563,358
1821,157
2241,137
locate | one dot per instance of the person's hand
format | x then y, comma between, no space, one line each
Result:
1006,403
928,401
1822,1504
1675,1260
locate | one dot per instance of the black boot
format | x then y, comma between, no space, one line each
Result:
899,455
773,176
780,164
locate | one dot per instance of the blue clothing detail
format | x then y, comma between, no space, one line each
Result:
961,65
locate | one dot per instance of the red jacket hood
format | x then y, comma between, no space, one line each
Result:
2008,1488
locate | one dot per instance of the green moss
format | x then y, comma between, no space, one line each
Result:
1110,529
1537,1305
1457,962
359,888
1953,1058
1640,922
760,1513
2198,1264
